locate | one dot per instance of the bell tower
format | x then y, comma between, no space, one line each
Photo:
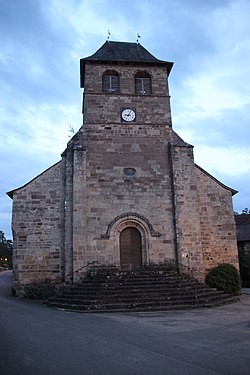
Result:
119,167
126,85
127,126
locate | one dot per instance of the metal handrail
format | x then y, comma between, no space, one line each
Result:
85,266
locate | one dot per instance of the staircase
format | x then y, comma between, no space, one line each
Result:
110,290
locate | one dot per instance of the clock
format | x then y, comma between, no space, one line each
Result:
128,115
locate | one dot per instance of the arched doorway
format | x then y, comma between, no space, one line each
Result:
130,248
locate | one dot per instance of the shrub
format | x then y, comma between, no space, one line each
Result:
42,289
224,277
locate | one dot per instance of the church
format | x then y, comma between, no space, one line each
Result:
126,191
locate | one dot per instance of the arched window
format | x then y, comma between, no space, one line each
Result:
110,82
143,84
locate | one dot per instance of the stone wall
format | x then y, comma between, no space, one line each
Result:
35,225
102,193
188,229
100,108
218,228
94,72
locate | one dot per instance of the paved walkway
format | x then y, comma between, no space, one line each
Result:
245,291
36,340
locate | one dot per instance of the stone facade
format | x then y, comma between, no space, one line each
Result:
74,213
218,229
36,229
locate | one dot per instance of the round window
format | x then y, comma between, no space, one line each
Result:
129,172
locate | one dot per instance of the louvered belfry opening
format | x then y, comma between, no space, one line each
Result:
110,82
143,84
130,248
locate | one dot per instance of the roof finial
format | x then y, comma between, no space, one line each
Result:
138,37
108,36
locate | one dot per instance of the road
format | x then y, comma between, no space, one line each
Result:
37,340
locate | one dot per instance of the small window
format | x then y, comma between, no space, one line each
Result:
129,172
143,84
110,82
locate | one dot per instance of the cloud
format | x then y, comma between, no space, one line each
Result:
211,103
210,94
231,161
92,20
42,42
43,128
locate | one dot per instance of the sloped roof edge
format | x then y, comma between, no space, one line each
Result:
233,191
176,140
11,192
242,219
122,52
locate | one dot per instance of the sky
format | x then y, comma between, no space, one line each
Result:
42,42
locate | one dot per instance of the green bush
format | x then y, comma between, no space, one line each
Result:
224,277
42,289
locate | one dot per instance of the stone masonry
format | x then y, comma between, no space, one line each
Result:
74,213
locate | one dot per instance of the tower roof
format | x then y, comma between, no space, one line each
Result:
122,52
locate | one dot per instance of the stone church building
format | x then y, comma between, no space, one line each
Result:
126,191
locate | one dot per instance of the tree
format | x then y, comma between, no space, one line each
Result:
245,211
6,248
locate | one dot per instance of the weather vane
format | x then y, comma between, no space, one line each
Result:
138,37
108,36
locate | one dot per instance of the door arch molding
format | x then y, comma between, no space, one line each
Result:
135,217
125,221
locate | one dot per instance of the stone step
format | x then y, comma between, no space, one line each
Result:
139,282
137,291
82,300
119,276
131,273
135,278
140,291
143,298
161,306
143,291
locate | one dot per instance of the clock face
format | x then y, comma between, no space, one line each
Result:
128,115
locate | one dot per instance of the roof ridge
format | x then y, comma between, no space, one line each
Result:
112,52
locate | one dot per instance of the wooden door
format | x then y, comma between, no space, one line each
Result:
130,248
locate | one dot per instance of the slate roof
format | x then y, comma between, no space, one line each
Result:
122,52
176,140
243,232
242,219
243,227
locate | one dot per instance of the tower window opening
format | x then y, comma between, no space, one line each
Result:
110,82
143,84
